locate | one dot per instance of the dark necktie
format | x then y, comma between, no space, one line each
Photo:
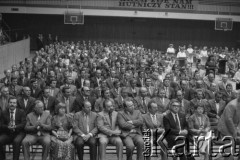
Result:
177,122
110,118
11,118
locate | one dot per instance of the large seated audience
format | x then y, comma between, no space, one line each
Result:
73,94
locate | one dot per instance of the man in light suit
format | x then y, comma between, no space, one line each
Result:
150,89
162,101
222,85
109,131
85,129
13,122
130,122
111,79
120,98
210,94
169,91
14,88
185,104
228,124
38,130
4,98
154,121
142,100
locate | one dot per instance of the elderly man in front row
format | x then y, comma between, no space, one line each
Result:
154,121
175,123
85,129
109,131
228,124
130,122
38,128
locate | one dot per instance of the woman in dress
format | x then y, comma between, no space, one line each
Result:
61,141
199,125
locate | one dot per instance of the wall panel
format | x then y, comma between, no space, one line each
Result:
153,33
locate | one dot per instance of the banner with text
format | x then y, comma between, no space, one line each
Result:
159,4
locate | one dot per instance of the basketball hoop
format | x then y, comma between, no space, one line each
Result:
74,23
225,29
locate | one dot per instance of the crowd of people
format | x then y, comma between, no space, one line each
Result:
73,94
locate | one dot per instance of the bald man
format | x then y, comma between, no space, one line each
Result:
142,100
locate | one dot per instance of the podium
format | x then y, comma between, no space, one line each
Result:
182,61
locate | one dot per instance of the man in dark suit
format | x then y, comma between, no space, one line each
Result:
95,82
49,101
36,91
13,121
210,94
22,80
85,129
26,102
111,79
176,124
67,99
199,99
215,108
80,80
185,90
141,79
170,93
154,121
229,95
78,103
130,122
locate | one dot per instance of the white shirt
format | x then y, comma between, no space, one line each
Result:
181,55
190,50
154,118
203,53
217,107
170,50
25,102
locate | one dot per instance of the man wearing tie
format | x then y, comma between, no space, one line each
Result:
215,108
67,99
142,100
49,101
162,101
26,102
175,123
38,130
154,121
12,131
53,89
109,130
85,129
130,122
